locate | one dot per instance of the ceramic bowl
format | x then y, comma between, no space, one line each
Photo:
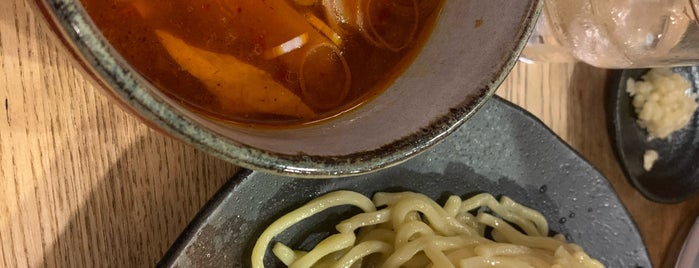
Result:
471,50
486,155
674,177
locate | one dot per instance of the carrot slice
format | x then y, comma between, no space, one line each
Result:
240,87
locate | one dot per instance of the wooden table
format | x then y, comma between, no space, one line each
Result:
84,184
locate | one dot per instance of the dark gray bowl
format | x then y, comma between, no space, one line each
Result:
473,47
502,150
675,176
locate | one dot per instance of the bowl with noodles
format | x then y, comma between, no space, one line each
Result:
306,88
518,198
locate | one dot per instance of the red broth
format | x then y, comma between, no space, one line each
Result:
267,62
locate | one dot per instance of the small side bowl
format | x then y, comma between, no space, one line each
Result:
675,175
472,48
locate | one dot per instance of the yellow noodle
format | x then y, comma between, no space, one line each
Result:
329,260
516,237
468,219
531,223
317,205
452,205
406,252
536,259
478,262
528,213
284,253
362,250
363,219
413,216
379,234
437,257
411,230
461,253
329,245
436,216
420,260
387,199
499,249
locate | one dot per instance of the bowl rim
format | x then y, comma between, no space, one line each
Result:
76,31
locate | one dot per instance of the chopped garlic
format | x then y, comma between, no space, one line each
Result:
649,159
661,103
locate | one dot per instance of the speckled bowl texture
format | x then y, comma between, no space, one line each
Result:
471,50
502,150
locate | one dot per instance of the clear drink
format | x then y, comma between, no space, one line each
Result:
617,33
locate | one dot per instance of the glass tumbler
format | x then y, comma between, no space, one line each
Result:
617,33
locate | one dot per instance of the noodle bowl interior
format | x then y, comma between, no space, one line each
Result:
272,62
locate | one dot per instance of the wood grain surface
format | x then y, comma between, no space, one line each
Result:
84,184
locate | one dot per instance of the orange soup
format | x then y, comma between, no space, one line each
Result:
266,62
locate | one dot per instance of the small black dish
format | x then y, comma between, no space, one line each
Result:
502,150
675,175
